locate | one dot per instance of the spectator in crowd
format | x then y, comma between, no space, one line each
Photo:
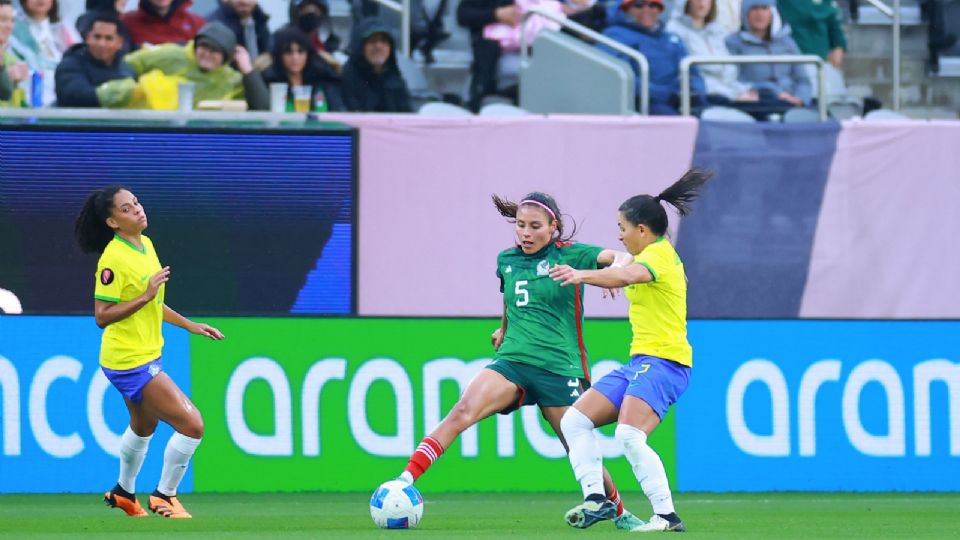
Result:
371,78
637,25
89,64
816,27
702,35
12,68
249,24
475,15
162,21
41,38
777,85
296,63
313,18
115,6
203,62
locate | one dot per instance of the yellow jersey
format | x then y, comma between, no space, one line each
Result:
123,273
658,308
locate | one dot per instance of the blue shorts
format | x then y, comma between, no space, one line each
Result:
657,381
130,382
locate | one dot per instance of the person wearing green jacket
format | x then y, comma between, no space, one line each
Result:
817,27
12,69
203,61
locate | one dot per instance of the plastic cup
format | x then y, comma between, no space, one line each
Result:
185,96
301,98
278,97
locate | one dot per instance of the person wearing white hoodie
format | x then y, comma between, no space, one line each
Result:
698,28
783,84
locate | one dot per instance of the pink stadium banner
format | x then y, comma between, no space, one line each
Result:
429,235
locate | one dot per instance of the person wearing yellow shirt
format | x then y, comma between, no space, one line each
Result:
638,394
129,306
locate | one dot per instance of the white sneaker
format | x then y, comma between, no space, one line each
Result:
658,524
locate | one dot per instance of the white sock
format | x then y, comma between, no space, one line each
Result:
175,460
585,455
133,448
647,467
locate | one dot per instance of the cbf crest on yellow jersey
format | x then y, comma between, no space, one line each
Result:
123,273
658,308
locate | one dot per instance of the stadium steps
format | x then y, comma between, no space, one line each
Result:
868,66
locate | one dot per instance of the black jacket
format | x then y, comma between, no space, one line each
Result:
79,74
367,91
228,16
474,15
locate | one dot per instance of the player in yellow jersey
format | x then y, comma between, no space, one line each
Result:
638,394
128,305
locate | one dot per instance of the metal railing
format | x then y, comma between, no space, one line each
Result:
753,59
145,115
893,13
403,8
599,38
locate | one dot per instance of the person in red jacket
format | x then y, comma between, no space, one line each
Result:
162,21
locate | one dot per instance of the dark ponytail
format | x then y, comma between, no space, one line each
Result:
508,209
647,210
90,228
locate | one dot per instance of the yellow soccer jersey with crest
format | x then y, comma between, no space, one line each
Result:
658,308
123,273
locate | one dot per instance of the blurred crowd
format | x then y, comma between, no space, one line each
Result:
133,59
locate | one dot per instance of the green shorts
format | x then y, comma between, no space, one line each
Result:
539,386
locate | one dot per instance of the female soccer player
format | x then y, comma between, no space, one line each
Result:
540,356
638,394
129,307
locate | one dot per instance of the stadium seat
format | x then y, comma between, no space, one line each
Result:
438,108
726,114
502,109
420,91
844,110
885,114
800,114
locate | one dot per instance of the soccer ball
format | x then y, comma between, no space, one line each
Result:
396,505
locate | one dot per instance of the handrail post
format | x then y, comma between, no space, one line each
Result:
405,28
641,60
685,86
896,55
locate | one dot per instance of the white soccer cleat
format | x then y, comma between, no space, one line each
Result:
658,524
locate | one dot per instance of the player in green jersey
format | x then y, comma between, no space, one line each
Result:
129,307
638,394
540,356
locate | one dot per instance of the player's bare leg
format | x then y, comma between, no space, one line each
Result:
488,393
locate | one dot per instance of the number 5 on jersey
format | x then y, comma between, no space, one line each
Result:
523,295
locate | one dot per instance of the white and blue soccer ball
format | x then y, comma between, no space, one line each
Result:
396,505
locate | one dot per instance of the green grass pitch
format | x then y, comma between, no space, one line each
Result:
471,515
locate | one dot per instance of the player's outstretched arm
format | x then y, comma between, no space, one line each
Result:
176,319
608,277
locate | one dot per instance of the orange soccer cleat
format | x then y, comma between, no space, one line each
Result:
117,498
167,506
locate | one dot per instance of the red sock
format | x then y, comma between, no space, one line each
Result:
427,452
615,498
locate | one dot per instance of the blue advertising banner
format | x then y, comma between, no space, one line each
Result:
821,406
61,419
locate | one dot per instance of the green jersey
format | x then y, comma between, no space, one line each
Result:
545,320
